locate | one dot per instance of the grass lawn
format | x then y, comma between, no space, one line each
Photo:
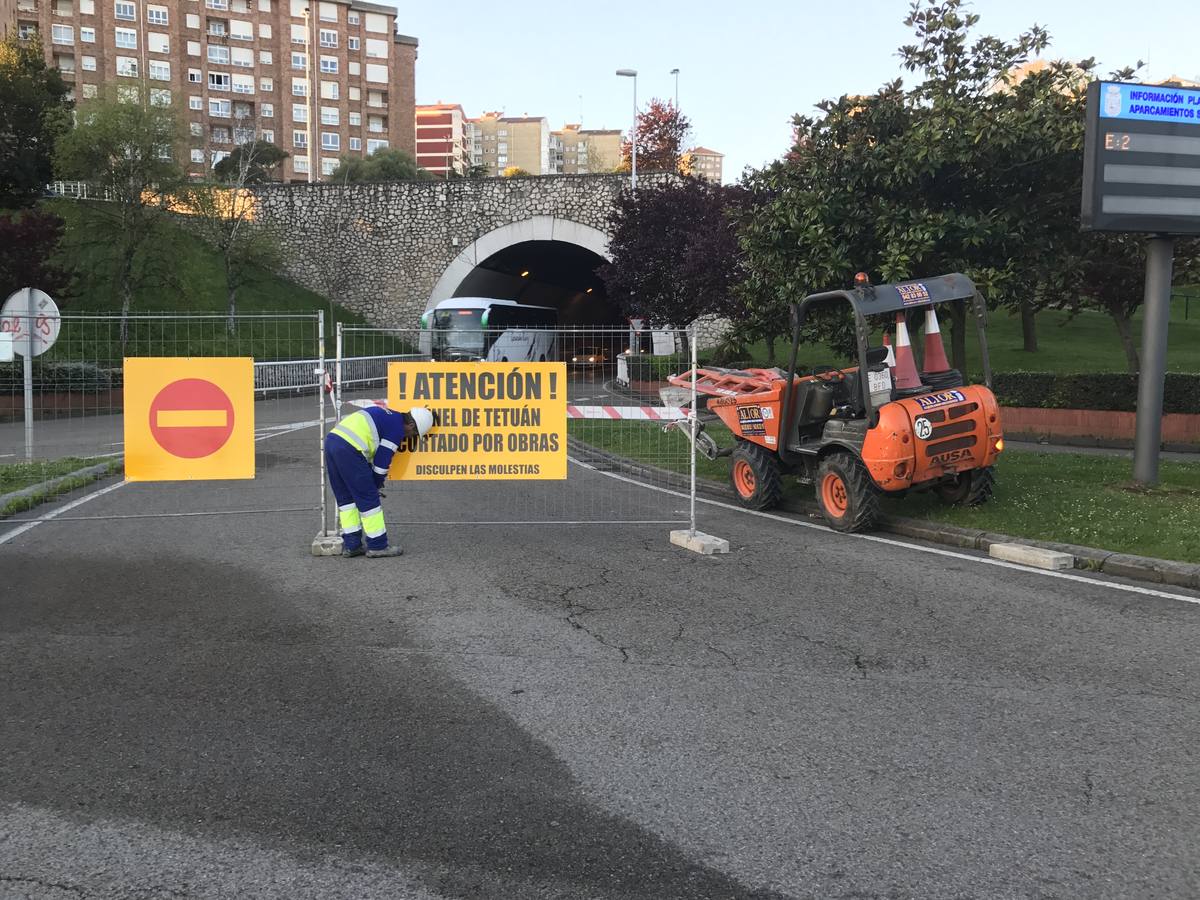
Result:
1086,343
1071,498
15,476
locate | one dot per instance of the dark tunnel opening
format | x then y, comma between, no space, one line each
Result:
546,273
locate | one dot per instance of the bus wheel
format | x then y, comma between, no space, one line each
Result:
504,359
542,358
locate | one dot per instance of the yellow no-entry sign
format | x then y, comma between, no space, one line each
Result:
500,421
189,419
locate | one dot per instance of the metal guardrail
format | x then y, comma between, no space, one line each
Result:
76,190
300,375
361,371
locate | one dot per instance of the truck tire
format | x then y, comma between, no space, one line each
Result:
848,498
757,476
970,488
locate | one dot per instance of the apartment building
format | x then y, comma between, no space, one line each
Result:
575,150
442,143
334,74
706,163
498,142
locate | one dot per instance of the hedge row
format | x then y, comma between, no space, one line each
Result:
60,377
1107,391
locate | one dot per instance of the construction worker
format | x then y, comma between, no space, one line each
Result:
358,451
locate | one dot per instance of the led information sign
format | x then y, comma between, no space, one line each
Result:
1141,168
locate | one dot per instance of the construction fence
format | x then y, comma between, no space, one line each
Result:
629,460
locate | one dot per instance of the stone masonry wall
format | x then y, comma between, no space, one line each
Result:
379,249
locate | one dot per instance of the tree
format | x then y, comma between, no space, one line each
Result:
127,146
675,254
264,159
661,132
514,172
390,164
29,249
34,111
223,215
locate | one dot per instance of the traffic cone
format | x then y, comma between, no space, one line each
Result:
935,353
905,373
891,356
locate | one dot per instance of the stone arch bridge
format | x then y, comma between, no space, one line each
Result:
389,251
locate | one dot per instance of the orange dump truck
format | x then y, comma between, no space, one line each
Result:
882,426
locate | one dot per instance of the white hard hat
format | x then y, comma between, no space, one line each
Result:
423,419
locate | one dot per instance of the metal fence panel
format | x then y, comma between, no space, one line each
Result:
629,458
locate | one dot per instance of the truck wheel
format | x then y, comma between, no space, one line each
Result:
969,488
849,500
757,476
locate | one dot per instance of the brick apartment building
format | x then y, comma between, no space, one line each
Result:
237,67
442,139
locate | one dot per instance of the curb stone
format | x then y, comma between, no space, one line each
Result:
1091,559
91,473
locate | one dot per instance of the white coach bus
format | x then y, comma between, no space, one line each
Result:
483,329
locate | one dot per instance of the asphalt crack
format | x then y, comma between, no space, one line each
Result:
42,883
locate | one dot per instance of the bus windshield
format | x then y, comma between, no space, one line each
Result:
496,332
458,329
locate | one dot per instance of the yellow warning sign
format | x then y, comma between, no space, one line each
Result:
494,420
189,418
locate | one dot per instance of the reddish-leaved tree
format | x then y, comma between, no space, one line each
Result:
661,132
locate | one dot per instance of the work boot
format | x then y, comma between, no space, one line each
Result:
391,550
350,554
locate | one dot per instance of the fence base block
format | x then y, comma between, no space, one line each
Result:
327,545
699,542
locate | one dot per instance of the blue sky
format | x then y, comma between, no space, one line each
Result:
745,67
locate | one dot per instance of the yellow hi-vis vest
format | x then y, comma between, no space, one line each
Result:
359,431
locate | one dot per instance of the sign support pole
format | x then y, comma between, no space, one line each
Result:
1156,313
27,365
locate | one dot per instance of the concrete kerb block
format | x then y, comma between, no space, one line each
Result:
699,542
1037,557
327,545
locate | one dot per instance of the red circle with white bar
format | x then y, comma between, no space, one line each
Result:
191,418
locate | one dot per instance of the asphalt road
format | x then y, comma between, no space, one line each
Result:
195,707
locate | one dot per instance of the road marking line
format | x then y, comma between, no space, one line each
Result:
982,560
17,532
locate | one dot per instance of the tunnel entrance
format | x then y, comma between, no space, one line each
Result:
546,273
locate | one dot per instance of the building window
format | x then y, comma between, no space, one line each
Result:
355,118
218,82
267,110
87,7
355,143
156,15
329,65
328,166
299,88
124,10
87,35
299,35
354,68
299,112
372,146
220,108
62,34
127,38
193,48
243,84
242,57
352,43
330,115
128,93
158,43
193,20
194,76
218,55
300,164
265,57
330,141
127,66
355,93
352,17
160,97
241,30
266,84
88,63
196,129
264,6
328,12
328,38
220,135
89,91
195,103
330,90
217,4
300,139
197,156
268,135
264,31
159,70
298,60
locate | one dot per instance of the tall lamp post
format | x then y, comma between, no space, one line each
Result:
632,73
675,72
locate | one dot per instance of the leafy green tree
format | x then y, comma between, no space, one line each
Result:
29,252
34,111
127,146
390,164
254,162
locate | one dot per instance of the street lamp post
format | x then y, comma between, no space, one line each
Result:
632,73
675,72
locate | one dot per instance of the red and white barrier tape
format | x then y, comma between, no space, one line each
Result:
626,413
